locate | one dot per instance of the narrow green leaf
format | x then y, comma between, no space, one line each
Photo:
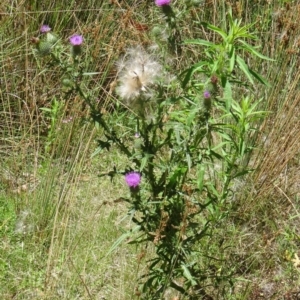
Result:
46,109
200,42
96,152
123,237
187,274
225,137
228,95
213,190
232,59
218,30
189,160
189,72
200,177
260,78
229,16
254,51
244,68
97,125
241,173
90,73
215,154
144,162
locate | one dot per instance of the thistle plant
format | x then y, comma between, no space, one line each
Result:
176,207
182,163
66,57
183,197
47,41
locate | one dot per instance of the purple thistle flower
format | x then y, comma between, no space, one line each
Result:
206,95
162,2
45,28
133,179
76,40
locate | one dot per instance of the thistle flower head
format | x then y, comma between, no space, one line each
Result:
76,40
206,95
133,179
45,28
207,99
162,2
138,71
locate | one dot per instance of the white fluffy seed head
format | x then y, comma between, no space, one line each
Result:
137,72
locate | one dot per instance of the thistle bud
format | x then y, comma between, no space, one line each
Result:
138,141
51,38
76,41
44,47
156,31
67,82
214,79
207,99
